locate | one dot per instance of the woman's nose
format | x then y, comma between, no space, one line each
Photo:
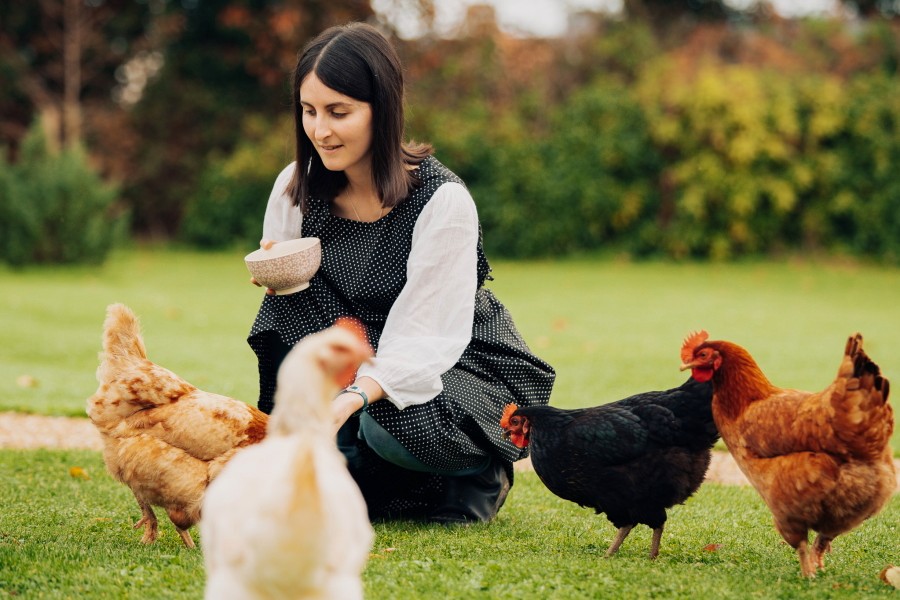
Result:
323,129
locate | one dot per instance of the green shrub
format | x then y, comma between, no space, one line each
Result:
228,207
721,161
601,169
583,181
748,158
866,210
55,208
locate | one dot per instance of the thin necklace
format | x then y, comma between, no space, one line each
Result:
356,212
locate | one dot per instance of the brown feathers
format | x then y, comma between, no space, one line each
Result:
163,438
821,460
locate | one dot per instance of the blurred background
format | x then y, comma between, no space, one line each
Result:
695,129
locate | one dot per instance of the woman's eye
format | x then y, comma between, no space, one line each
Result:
310,112
338,115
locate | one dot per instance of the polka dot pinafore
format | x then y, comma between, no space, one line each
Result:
363,271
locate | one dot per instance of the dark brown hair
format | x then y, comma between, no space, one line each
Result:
358,61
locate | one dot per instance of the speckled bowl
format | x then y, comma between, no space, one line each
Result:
287,266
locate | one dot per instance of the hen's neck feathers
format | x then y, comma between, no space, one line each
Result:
302,401
738,381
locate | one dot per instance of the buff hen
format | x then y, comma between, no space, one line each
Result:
162,437
285,518
821,461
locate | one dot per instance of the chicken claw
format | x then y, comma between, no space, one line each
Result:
148,521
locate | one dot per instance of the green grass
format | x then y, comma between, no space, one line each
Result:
65,537
609,328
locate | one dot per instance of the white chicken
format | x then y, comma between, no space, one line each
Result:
284,519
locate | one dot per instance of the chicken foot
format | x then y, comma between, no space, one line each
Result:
821,545
807,559
148,521
621,534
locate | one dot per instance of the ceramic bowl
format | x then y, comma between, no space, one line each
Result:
287,266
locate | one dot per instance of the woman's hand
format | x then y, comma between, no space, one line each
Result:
347,403
265,245
343,406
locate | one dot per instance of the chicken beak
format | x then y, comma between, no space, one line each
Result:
686,366
506,434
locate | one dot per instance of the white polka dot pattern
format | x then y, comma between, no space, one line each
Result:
363,271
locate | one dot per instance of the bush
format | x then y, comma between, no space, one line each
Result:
866,210
228,208
584,181
55,208
748,158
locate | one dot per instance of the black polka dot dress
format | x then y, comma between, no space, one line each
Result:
363,271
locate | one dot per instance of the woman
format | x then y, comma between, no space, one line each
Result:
402,252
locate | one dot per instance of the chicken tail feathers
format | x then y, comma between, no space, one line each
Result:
865,369
122,335
864,418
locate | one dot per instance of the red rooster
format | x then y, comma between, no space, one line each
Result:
821,461
630,459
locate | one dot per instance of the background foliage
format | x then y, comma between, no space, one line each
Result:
678,129
54,208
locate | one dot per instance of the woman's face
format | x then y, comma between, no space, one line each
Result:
340,127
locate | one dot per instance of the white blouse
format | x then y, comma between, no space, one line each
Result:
430,324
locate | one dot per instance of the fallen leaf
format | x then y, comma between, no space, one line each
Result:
78,473
26,381
891,575
713,547
389,550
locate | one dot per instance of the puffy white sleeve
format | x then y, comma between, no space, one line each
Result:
282,220
430,324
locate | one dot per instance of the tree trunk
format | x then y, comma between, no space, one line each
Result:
72,73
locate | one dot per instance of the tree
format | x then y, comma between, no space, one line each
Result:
55,56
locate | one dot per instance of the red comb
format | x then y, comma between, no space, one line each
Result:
507,413
694,339
357,328
353,325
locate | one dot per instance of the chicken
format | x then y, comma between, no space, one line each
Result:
285,519
630,459
821,461
162,437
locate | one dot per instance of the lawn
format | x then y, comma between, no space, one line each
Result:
71,537
610,328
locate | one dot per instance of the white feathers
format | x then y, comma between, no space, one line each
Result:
285,519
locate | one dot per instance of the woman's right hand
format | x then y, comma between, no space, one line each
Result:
265,245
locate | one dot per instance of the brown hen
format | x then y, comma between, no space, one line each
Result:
162,437
821,461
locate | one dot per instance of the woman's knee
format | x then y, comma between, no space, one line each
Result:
387,447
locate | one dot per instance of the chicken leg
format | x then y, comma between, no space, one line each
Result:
621,534
148,521
654,541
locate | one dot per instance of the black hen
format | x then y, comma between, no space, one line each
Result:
630,459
